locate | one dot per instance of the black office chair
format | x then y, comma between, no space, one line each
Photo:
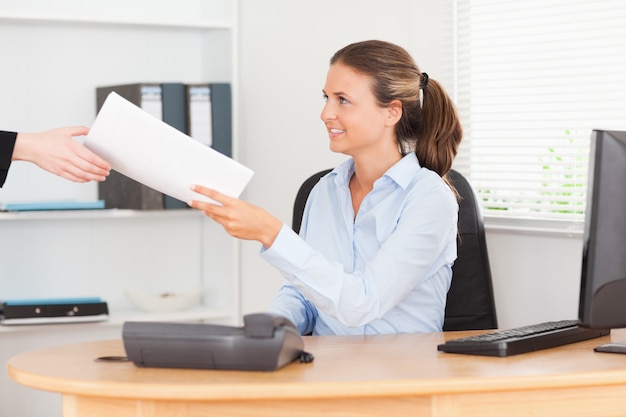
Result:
470,303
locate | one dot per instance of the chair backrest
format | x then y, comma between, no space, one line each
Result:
302,196
470,302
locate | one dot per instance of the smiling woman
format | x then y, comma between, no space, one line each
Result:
378,235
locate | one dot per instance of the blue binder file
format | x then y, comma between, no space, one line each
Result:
52,205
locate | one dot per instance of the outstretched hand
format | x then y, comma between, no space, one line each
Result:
57,152
239,218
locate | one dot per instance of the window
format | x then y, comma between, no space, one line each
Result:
534,78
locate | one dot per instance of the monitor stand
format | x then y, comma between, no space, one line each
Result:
613,347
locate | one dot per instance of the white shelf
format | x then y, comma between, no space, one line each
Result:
97,214
77,20
193,314
117,318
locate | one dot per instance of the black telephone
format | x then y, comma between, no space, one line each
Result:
266,342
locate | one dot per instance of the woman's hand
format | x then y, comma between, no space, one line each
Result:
57,152
240,219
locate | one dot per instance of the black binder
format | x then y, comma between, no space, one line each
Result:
174,98
119,191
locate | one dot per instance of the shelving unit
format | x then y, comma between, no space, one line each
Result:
105,252
65,50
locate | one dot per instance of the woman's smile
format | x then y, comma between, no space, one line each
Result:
333,133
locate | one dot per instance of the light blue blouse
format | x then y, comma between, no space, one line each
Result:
386,271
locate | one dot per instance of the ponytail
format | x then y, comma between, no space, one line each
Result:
439,133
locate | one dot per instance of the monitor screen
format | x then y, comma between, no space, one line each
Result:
603,281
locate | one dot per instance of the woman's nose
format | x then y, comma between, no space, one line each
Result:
327,113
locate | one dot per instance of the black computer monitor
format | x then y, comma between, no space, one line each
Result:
603,278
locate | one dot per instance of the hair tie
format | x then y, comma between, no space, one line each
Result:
424,80
423,85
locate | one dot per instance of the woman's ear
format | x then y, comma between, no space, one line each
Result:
394,112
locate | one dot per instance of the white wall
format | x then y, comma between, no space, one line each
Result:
536,274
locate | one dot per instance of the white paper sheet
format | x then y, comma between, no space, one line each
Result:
159,156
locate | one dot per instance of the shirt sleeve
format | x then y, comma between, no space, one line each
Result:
290,303
7,143
413,252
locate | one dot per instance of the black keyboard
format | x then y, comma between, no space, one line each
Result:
522,339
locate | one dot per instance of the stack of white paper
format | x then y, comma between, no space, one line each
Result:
159,156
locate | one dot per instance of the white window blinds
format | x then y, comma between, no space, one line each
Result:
534,78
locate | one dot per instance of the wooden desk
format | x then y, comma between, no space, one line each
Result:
351,376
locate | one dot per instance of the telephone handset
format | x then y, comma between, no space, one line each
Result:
264,324
265,342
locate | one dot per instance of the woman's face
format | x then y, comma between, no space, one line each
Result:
354,120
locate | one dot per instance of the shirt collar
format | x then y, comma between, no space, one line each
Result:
404,170
401,173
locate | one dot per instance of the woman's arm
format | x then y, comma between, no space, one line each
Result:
423,235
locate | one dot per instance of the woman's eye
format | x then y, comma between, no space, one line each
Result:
325,98
343,100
